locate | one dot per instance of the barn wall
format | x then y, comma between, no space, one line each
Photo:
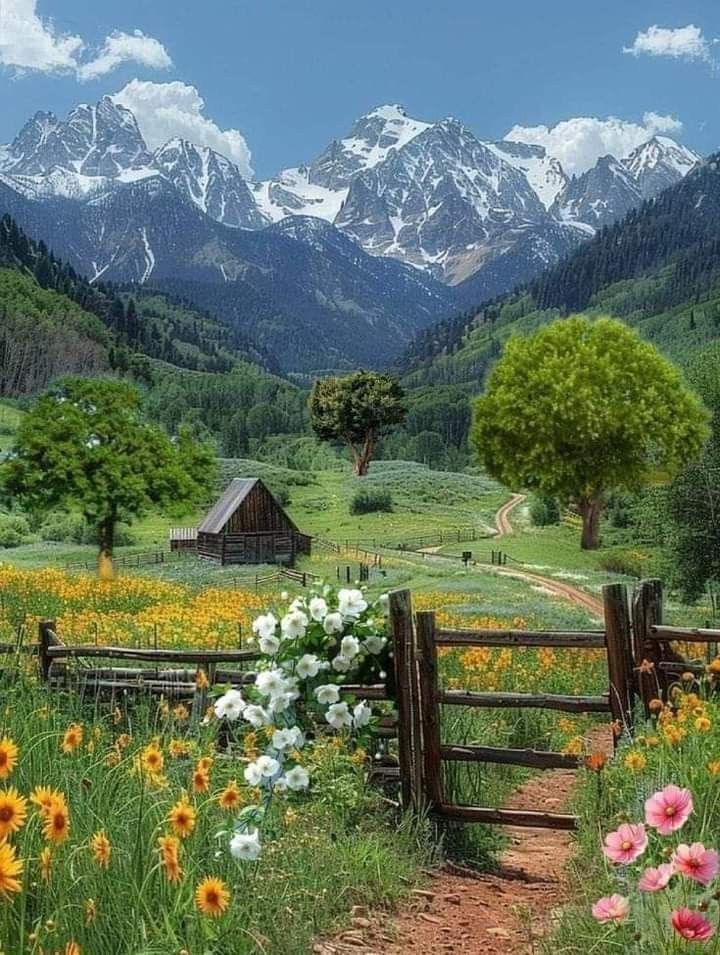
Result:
259,513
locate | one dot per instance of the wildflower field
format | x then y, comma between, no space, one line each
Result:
650,835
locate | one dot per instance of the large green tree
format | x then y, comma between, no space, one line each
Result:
584,407
357,409
85,446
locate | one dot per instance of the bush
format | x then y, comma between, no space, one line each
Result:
623,560
63,528
544,510
14,530
370,500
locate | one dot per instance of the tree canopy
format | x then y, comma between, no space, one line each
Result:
358,410
85,446
583,407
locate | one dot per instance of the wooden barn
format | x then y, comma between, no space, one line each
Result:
248,526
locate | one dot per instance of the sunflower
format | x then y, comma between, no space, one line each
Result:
200,780
178,748
73,738
46,863
10,869
181,712
13,812
182,818
169,851
56,827
152,760
8,757
205,763
212,897
100,848
230,797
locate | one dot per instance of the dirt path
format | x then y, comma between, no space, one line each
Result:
502,913
567,591
502,516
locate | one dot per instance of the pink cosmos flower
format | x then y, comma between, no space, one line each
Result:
626,844
696,862
669,809
691,925
612,908
653,880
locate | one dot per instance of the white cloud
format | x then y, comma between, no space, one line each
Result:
579,142
30,43
168,110
126,48
682,43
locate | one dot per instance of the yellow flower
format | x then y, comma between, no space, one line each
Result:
10,870
230,798
178,748
73,738
181,712
201,680
212,897
714,767
169,847
100,848
635,762
200,780
72,948
8,757
56,827
45,863
13,812
703,724
182,818
90,911
574,747
152,760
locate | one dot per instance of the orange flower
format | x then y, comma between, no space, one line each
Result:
181,712
73,738
46,863
152,760
182,818
100,848
56,827
169,852
13,812
201,680
72,948
10,870
212,897
200,780
230,797
8,757
714,767
596,762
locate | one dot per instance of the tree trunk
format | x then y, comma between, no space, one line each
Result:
106,533
363,456
590,509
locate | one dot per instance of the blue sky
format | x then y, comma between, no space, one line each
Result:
290,75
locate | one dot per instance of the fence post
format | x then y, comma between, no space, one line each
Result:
618,638
429,708
404,664
647,654
46,640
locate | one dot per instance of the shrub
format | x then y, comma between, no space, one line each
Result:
370,500
624,560
544,510
62,528
14,530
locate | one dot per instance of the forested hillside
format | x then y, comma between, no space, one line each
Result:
658,269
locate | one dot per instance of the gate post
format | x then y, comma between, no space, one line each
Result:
647,654
45,641
403,641
432,781
618,639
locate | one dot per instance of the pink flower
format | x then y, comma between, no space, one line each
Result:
696,862
626,844
613,908
652,880
691,925
669,809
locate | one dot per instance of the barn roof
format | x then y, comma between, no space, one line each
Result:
232,497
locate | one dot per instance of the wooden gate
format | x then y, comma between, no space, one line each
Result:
420,695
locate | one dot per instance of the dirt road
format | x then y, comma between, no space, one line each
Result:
502,517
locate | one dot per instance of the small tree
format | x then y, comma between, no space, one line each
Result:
358,410
581,408
85,446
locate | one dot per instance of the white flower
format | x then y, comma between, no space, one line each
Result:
374,643
245,846
318,608
338,716
349,647
291,738
329,693
269,644
280,702
294,624
230,705
264,626
252,774
297,778
256,715
284,595
341,664
268,766
307,666
351,603
270,682
383,603
333,623
361,715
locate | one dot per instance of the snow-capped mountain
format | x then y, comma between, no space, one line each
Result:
544,173
659,163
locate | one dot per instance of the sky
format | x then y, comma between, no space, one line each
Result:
271,82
